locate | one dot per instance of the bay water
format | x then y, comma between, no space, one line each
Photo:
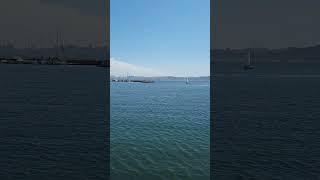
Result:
160,130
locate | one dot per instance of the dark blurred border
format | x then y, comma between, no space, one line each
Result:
211,85
106,4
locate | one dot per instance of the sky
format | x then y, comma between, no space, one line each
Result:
167,37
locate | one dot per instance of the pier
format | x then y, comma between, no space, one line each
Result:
127,80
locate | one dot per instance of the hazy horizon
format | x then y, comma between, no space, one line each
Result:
266,24
37,22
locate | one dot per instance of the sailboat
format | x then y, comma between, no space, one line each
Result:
248,65
59,58
187,80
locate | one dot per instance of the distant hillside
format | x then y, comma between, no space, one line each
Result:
163,78
263,54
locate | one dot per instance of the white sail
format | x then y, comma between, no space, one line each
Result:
187,80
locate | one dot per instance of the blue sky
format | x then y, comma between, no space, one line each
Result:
168,37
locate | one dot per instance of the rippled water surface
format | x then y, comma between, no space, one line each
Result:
160,131
52,122
266,121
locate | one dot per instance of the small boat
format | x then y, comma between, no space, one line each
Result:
4,61
248,65
104,64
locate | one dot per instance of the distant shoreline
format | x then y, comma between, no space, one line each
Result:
303,54
158,78
240,60
54,61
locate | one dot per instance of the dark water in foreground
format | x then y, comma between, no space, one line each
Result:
266,122
52,122
160,131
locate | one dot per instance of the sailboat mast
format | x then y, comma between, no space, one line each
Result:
249,57
61,45
57,43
